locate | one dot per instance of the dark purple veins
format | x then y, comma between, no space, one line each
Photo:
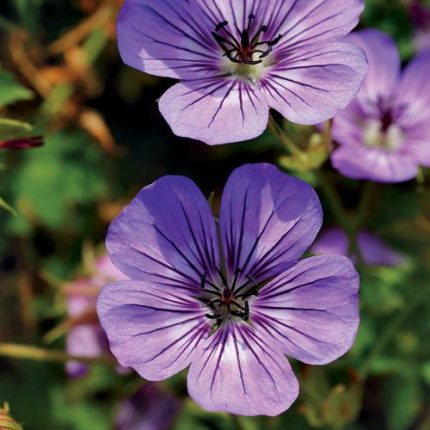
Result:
249,48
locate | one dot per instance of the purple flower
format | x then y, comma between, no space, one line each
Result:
86,338
149,409
237,59
385,132
230,312
421,18
374,252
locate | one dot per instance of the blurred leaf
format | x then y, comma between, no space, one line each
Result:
403,397
53,180
11,91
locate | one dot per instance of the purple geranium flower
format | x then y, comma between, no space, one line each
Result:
86,338
238,58
385,132
420,15
374,251
149,409
229,311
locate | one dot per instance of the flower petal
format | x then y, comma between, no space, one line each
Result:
268,219
384,63
215,111
167,233
303,21
167,38
151,328
414,89
238,371
311,310
374,164
315,82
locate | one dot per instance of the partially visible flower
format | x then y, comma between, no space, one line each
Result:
230,312
6,421
237,59
22,143
420,15
374,251
150,408
86,338
385,132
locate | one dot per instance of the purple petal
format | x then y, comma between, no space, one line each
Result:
85,340
151,328
167,234
374,164
149,409
384,63
268,219
374,251
414,89
167,38
377,253
311,310
238,371
303,21
215,111
316,81
414,93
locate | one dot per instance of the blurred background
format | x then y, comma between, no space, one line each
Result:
80,134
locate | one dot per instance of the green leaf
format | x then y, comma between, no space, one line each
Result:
11,91
403,398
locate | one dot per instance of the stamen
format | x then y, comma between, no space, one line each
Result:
243,51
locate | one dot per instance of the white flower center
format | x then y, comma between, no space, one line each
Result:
376,136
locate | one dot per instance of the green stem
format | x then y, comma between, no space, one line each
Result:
334,201
392,330
283,137
26,352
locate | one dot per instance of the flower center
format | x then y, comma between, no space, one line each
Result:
248,52
383,133
228,301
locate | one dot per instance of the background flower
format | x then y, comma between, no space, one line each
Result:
374,251
237,60
86,338
385,132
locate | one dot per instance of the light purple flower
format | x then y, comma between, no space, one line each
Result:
231,313
236,59
149,409
385,132
420,15
86,338
374,251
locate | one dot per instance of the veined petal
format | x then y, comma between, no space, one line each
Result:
311,310
151,328
303,21
384,63
238,371
268,219
316,81
414,89
167,38
374,164
167,233
215,111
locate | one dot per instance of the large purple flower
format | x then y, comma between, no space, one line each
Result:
385,132
230,312
238,58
